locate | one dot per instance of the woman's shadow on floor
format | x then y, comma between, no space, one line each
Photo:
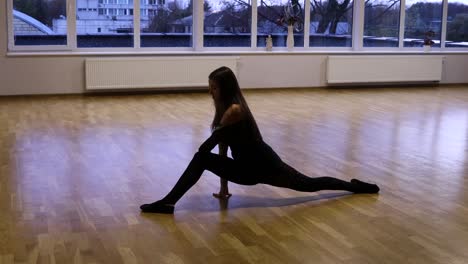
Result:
208,204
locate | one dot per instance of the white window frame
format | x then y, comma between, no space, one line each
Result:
226,49
71,12
137,33
443,33
401,36
382,49
198,34
328,49
402,31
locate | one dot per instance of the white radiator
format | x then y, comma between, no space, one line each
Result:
384,69
158,72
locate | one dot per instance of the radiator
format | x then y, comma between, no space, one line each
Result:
160,72
384,69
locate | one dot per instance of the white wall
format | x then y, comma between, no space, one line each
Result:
65,74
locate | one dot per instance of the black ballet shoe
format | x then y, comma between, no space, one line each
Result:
157,207
364,187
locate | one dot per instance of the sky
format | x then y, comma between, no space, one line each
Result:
217,4
411,2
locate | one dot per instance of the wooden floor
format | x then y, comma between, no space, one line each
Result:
74,169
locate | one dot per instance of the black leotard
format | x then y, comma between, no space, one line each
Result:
253,162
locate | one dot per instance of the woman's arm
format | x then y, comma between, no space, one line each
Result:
224,189
232,115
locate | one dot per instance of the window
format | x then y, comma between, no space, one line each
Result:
45,24
457,24
39,22
110,27
381,23
156,2
331,23
166,25
227,23
272,16
422,16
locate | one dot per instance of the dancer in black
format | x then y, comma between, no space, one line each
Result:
253,160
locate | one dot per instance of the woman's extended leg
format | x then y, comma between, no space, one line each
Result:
222,166
288,177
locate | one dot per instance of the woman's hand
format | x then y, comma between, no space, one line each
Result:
222,196
223,193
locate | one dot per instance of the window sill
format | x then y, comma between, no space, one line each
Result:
298,51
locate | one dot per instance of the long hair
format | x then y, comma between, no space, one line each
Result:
230,93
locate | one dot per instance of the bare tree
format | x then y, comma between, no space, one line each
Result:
330,12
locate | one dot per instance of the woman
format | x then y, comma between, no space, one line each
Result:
253,160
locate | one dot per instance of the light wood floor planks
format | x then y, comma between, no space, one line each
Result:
74,169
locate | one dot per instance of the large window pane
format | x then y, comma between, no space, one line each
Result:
457,24
227,23
104,23
421,17
331,23
272,16
39,22
166,23
381,23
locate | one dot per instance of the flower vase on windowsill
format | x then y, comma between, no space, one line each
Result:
292,18
290,38
427,48
428,42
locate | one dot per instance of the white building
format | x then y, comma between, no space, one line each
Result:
108,16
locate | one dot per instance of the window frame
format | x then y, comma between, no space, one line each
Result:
442,33
444,30
137,33
401,28
354,29
11,34
198,35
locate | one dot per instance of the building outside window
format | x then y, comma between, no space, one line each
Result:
227,24
166,23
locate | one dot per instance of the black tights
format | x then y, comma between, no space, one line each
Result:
278,174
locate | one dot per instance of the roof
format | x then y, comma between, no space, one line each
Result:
33,22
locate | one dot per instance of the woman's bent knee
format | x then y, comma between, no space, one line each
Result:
201,155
